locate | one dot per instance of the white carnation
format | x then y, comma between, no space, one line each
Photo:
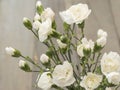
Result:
44,58
47,13
45,30
110,63
114,78
75,14
101,33
10,51
36,25
61,44
37,17
63,75
91,81
85,45
45,81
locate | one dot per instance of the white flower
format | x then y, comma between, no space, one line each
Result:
91,81
10,51
61,44
36,25
38,4
75,14
114,78
45,30
63,75
108,88
101,41
44,58
101,33
45,81
110,63
22,63
47,13
37,17
85,45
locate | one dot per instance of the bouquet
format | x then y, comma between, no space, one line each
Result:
58,70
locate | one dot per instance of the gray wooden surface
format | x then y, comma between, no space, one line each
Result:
105,14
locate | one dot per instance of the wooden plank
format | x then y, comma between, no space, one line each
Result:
13,33
115,9
101,17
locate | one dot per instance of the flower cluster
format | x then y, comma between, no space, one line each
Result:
93,71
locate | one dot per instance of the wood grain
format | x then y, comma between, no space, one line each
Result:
105,14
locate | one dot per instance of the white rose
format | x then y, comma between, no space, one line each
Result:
75,14
37,17
36,25
45,81
10,51
114,78
44,58
101,41
101,33
91,81
61,44
45,30
85,45
47,13
110,63
63,75
108,88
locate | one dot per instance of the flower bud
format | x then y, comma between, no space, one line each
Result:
101,41
12,52
44,58
38,4
39,7
27,23
55,34
24,66
64,39
61,44
101,33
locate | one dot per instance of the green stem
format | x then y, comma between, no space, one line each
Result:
31,61
82,31
96,62
55,50
35,34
